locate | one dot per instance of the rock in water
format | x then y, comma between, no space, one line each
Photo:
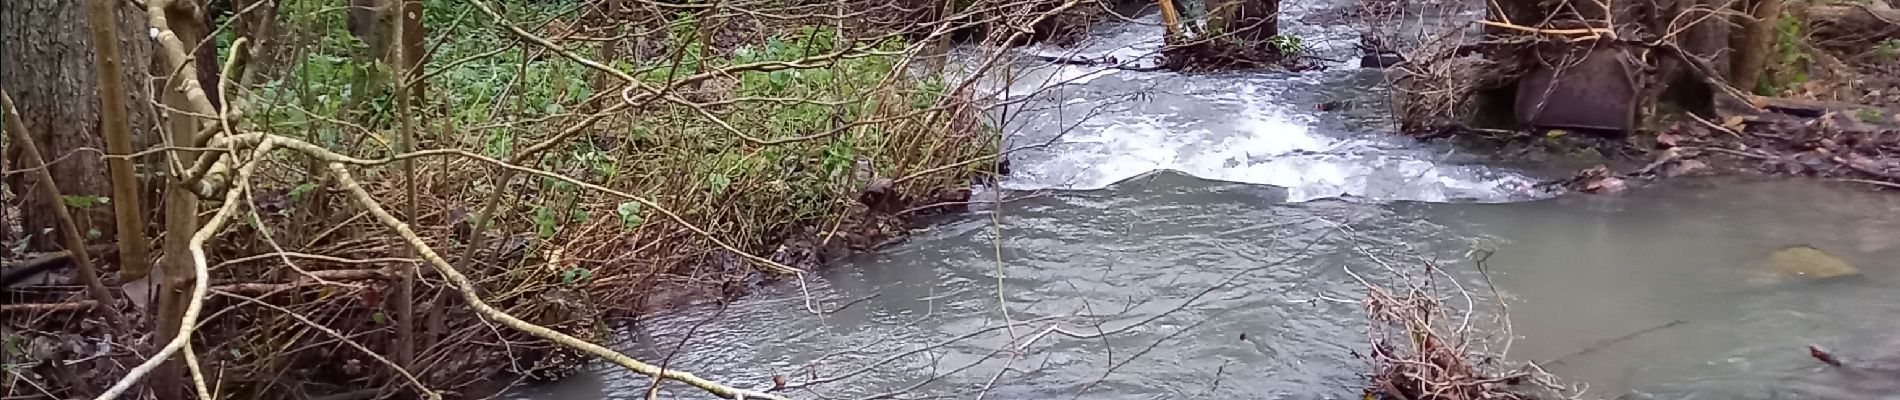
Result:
1809,262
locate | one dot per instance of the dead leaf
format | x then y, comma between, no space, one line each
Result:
1734,122
1606,185
1667,140
1598,179
1824,356
1684,167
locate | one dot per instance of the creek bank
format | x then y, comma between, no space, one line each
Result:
1830,146
1659,90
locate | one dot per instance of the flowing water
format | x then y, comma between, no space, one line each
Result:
1206,239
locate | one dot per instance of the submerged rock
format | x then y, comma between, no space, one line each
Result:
1809,262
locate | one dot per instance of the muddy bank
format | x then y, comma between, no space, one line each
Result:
1828,145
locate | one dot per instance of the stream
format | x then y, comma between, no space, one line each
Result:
1199,235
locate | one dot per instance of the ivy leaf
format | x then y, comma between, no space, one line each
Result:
544,221
84,202
629,214
12,347
378,318
719,182
297,192
575,275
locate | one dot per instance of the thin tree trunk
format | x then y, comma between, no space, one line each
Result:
181,205
609,52
75,241
414,53
1252,21
117,130
1171,20
405,294
940,51
257,20
46,63
1755,44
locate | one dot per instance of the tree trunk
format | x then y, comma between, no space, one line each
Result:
128,215
257,19
413,51
1253,21
1171,20
407,56
1753,46
177,276
46,62
1860,23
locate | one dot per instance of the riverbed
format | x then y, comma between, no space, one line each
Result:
1204,236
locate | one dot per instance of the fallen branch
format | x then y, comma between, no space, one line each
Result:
313,278
318,257
1732,152
1591,33
1889,185
1599,345
47,307
1861,20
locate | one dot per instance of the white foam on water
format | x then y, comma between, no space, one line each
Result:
1256,128
1237,134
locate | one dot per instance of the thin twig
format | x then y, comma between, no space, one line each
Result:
341,338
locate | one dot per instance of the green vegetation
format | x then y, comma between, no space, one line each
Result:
754,157
1287,44
501,101
1787,67
1869,115
1889,50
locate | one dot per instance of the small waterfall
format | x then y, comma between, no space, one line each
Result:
1081,127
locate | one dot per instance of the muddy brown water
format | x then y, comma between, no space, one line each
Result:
1202,238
